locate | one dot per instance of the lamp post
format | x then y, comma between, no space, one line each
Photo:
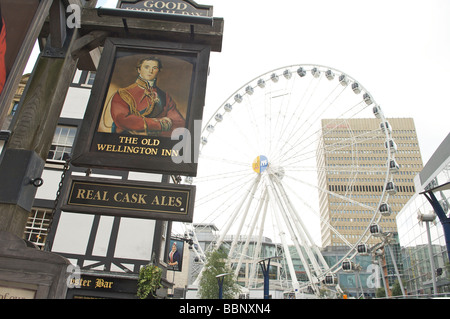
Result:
220,279
427,218
265,270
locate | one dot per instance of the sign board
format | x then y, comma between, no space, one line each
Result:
130,199
91,282
182,7
145,109
175,255
94,286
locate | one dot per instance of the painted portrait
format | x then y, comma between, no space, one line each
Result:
148,95
146,99
175,255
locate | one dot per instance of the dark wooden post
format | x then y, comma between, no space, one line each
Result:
34,126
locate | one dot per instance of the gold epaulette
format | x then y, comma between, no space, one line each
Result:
129,99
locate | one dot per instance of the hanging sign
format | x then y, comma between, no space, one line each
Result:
145,109
175,255
130,199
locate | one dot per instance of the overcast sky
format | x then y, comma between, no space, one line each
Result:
397,49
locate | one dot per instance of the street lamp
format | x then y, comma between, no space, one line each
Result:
220,279
265,270
427,218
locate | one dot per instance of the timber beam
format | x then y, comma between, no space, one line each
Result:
152,29
97,24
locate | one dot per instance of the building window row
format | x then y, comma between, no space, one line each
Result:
355,188
371,180
373,158
39,220
368,188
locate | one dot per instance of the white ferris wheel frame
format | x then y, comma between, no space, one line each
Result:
275,192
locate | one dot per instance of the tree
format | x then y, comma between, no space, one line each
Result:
149,281
208,285
380,293
396,289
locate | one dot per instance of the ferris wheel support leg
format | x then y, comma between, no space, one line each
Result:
251,190
244,217
298,246
258,244
294,281
295,239
307,238
313,245
250,234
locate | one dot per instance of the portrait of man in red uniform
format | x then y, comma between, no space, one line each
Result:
143,108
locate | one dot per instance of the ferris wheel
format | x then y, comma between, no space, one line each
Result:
269,159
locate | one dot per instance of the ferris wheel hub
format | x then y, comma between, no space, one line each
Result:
260,164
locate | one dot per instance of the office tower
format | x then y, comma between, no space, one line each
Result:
354,156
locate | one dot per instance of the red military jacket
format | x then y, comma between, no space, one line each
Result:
145,110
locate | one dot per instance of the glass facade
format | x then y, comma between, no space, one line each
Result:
353,283
413,236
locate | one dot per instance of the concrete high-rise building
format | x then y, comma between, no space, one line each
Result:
354,156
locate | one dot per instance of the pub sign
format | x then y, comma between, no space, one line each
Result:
134,199
175,255
145,109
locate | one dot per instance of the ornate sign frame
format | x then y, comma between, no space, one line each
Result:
133,123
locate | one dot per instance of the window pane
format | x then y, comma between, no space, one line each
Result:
37,227
63,139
